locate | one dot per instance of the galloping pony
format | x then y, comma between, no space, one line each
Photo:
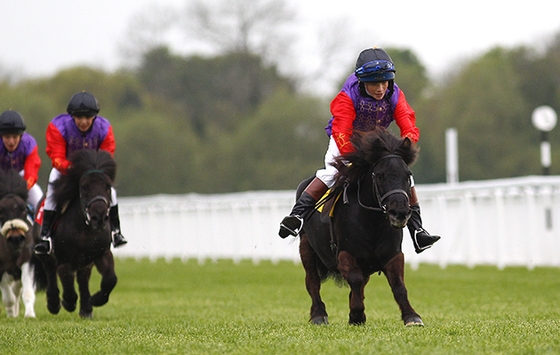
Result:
81,235
21,273
364,236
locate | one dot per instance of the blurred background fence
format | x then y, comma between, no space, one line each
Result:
498,222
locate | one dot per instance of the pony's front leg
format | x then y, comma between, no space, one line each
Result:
69,295
83,276
351,272
28,289
394,271
8,296
318,313
106,267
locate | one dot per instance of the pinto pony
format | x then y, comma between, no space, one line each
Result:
20,272
365,232
81,235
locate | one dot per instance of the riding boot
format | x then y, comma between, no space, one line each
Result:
292,224
421,239
45,245
118,239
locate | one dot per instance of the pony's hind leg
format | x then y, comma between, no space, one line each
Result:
394,271
52,291
318,313
106,267
357,280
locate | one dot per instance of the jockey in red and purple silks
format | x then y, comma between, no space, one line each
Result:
64,137
354,111
80,128
19,151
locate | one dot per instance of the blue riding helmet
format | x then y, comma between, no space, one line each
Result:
374,65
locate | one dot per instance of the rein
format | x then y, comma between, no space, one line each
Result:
380,199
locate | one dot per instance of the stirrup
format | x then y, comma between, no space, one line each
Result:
417,248
286,230
118,239
44,247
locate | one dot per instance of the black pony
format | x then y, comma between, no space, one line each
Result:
82,235
365,231
21,274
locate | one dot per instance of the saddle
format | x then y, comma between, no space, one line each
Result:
325,206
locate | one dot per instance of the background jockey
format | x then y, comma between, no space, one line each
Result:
79,128
19,151
369,98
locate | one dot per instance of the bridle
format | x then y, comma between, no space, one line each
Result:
86,206
381,198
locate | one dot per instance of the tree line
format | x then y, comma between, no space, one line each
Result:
232,122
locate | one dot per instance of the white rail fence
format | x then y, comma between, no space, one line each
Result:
498,222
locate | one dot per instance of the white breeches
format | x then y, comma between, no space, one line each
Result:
35,194
49,203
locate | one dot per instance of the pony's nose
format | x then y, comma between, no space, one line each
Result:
398,217
99,220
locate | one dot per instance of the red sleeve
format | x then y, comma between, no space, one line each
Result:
108,143
344,115
405,118
56,148
31,167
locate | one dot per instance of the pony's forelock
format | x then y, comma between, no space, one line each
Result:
66,187
369,148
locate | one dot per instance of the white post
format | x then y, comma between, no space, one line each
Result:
452,156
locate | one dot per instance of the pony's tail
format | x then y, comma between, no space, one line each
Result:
39,274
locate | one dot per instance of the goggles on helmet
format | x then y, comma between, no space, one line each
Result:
375,67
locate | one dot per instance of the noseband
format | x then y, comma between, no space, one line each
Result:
86,206
380,199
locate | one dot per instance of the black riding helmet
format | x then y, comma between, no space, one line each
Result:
83,104
11,122
375,65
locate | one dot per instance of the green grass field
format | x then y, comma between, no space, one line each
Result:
226,308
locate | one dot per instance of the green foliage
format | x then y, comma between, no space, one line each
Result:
216,93
175,307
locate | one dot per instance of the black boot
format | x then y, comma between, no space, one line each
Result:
292,224
45,245
118,239
421,239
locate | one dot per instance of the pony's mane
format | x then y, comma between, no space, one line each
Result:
66,188
12,183
370,147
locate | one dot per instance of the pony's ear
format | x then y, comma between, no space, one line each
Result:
409,151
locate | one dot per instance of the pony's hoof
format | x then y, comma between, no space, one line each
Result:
98,299
86,315
320,320
69,306
414,322
54,308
